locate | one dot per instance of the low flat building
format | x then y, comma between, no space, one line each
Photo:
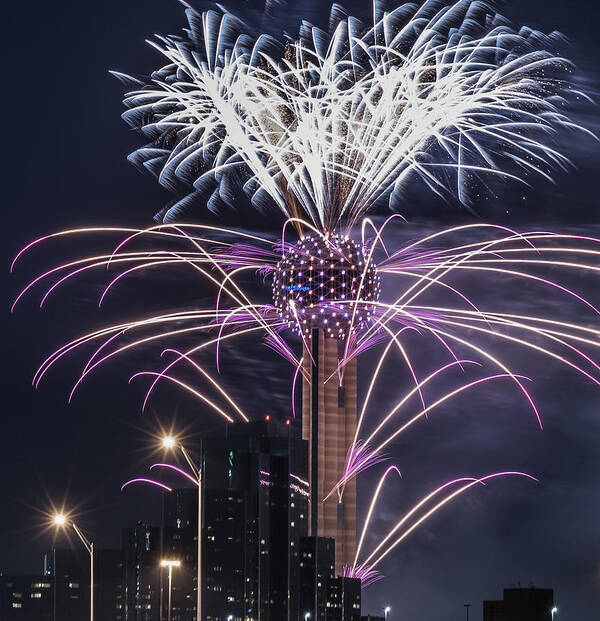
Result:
521,604
25,598
323,595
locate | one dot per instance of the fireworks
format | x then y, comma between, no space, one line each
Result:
418,272
424,276
326,125
323,127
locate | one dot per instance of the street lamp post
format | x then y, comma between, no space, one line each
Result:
170,442
386,612
306,616
553,612
61,520
170,565
467,606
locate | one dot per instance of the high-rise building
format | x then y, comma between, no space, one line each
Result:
142,554
521,604
343,599
109,589
256,510
317,566
180,542
144,547
329,425
256,500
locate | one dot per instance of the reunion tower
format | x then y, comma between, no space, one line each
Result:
325,288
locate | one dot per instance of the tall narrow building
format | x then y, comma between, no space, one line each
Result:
329,425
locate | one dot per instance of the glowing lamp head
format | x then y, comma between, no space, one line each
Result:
326,282
170,563
60,519
168,442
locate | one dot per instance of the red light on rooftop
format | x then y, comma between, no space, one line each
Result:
287,421
268,417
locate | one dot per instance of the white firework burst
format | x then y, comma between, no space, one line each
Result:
326,125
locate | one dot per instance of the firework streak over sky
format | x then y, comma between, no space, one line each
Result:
451,97
426,299
327,125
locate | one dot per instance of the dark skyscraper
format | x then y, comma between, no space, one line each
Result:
141,549
343,599
144,548
69,569
256,502
109,598
317,565
256,510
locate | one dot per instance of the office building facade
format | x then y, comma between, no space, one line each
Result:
26,598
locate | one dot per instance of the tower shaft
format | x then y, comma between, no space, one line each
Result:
329,424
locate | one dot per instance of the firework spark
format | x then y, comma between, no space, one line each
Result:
327,124
323,127
422,273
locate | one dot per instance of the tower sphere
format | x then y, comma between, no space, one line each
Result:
319,283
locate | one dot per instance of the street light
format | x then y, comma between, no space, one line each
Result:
306,616
467,606
170,442
170,564
60,521
386,612
553,612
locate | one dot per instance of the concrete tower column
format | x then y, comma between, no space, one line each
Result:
329,424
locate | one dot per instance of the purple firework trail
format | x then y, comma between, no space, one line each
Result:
322,127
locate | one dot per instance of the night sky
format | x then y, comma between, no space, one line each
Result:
65,166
